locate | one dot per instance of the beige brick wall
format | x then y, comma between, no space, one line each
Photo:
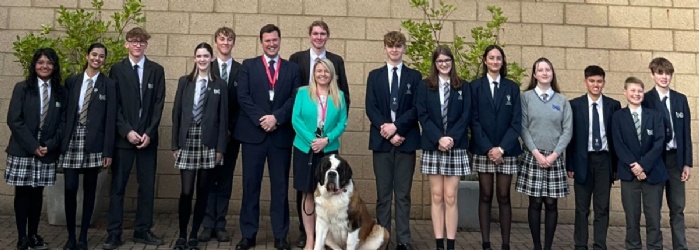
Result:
619,35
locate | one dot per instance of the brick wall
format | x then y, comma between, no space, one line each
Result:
619,35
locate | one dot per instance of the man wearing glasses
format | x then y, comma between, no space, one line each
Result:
141,94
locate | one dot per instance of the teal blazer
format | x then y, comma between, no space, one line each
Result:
304,119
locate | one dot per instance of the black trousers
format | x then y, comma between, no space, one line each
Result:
634,195
394,178
675,195
221,188
146,163
594,190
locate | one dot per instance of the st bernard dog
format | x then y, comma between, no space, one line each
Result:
343,221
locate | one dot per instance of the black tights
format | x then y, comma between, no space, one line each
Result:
28,202
534,217
185,209
72,179
486,199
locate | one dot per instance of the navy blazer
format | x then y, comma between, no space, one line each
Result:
681,119
647,152
253,96
378,109
214,120
576,152
429,113
129,101
24,117
303,59
496,122
101,114
232,86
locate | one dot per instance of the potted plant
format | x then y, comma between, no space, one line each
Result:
79,28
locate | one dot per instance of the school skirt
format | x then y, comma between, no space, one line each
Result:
75,156
29,171
482,164
305,173
536,181
453,162
195,155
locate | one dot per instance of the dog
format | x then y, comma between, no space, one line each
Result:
342,219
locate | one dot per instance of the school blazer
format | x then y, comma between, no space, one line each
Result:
129,101
24,117
576,152
303,59
498,122
232,86
253,96
378,109
647,152
101,114
681,119
214,120
429,113
305,116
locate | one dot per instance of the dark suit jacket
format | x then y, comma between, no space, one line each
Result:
303,59
647,152
128,104
378,109
24,117
429,113
214,121
232,86
253,96
101,114
681,119
576,152
495,123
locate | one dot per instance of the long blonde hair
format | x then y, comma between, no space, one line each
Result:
332,85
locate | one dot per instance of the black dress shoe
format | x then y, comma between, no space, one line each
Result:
245,243
37,243
113,242
505,247
82,245
402,246
486,246
302,240
180,244
193,244
222,235
147,237
23,244
206,234
281,244
71,244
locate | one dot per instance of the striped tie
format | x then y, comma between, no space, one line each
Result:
86,101
199,107
445,106
637,124
224,72
544,97
44,103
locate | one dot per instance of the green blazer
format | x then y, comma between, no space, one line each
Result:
304,119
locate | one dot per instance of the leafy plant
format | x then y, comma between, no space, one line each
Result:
79,29
425,35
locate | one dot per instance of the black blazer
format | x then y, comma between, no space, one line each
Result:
576,152
24,116
429,113
378,109
681,119
303,59
128,104
647,152
214,121
232,86
495,123
253,96
101,114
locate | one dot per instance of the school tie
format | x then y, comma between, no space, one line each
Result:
445,106
394,90
86,101
44,103
199,107
495,89
272,70
224,72
596,132
138,80
666,118
544,97
637,124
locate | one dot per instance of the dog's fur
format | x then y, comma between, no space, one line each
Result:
343,221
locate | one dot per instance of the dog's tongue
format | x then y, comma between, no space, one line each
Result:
331,187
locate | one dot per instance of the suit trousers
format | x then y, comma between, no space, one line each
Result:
394,178
632,193
675,196
595,189
146,164
221,188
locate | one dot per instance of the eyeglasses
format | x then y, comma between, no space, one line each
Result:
445,61
137,43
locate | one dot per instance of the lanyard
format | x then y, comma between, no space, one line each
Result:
323,107
272,80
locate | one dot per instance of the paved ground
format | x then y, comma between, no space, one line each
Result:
167,226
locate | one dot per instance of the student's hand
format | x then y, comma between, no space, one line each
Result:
446,142
641,176
319,144
540,159
219,157
268,122
133,137
686,173
636,168
106,162
571,174
388,129
43,150
145,141
38,152
494,153
175,154
552,158
499,161
397,140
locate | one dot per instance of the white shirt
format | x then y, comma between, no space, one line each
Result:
673,143
83,88
228,66
442,83
140,69
492,86
540,92
41,95
390,80
313,63
602,129
640,112
197,89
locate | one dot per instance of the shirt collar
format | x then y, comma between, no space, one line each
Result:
590,101
390,67
661,95
227,62
442,82
638,110
491,80
276,59
539,92
314,56
199,78
94,78
41,82
140,62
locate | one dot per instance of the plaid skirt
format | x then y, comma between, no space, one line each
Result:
29,171
482,164
75,156
535,181
452,162
195,155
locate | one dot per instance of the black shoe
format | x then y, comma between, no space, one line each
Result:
222,235
206,234
486,246
302,240
37,243
23,244
281,244
82,245
180,244
70,245
147,237
113,242
402,246
245,243
193,244
505,247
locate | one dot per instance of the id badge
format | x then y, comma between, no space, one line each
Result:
271,95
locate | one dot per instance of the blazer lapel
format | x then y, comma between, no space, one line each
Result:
402,85
129,73
586,117
646,126
188,100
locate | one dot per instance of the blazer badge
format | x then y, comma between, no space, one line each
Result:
150,85
460,96
58,104
509,103
649,131
217,91
679,115
103,97
408,92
